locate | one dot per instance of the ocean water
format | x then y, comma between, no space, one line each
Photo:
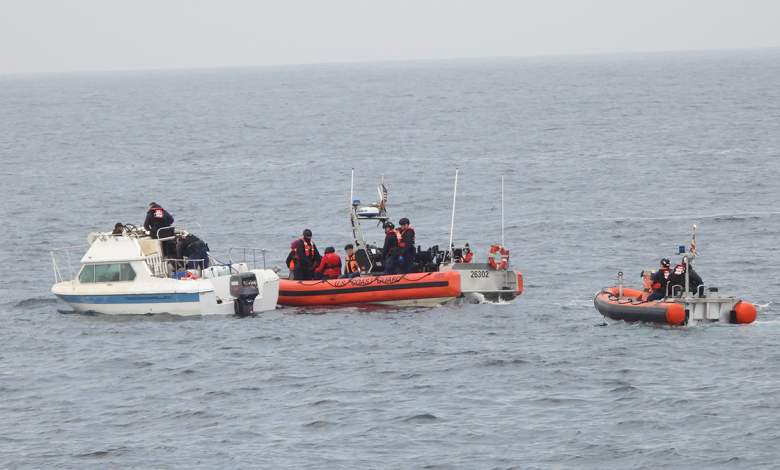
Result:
607,162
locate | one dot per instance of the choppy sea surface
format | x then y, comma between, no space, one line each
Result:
607,162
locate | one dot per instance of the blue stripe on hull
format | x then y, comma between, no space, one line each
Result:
131,298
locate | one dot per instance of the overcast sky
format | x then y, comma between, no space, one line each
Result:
97,35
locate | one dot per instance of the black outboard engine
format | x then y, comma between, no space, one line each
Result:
243,286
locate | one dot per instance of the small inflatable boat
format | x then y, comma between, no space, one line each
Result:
400,290
629,305
680,305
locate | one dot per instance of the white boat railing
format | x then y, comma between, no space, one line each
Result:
245,252
165,267
63,254
157,265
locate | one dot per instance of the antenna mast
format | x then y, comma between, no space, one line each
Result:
352,188
502,210
452,224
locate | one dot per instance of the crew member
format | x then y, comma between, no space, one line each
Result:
157,218
351,268
463,255
330,266
390,248
290,261
406,247
119,229
195,249
659,279
306,258
677,277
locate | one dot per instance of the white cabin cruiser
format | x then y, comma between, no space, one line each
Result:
130,274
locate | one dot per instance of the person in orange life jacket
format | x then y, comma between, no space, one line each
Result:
389,250
306,258
157,218
290,261
406,247
330,266
677,277
195,249
659,280
465,254
351,268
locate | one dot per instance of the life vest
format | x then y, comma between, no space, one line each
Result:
331,266
308,248
291,259
158,213
678,270
401,236
352,266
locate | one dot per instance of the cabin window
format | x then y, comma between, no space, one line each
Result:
87,273
126,272
114,272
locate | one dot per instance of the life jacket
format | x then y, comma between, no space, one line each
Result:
678,270
158,212
331,265
291,259
401,244
351,265
308,248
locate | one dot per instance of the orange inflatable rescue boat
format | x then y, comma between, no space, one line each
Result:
682,298
678,307
633,307
439,275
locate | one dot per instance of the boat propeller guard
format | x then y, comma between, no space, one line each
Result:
498,257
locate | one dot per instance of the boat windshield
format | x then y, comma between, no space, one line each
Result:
114,272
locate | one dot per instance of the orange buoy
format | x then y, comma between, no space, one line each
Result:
500,252
675,314
746,312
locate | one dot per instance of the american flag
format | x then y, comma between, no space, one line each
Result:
383,195
693,241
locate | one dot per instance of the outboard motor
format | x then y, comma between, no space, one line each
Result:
243,287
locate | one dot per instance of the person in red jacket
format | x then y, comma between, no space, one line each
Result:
330,266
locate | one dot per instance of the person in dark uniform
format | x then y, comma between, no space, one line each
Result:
119,229
157,218
406,247
677,277
659,280
307,257
389,250
195,249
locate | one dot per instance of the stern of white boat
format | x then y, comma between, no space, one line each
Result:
482,278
